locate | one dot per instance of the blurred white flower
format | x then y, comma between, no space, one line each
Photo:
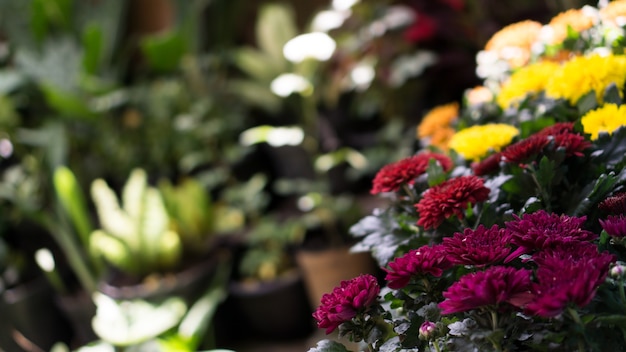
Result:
316,45
289,83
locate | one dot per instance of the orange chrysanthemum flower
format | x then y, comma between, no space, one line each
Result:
513,42
614,13
577,19
436,126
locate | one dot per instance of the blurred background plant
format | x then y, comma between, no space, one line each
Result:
220,98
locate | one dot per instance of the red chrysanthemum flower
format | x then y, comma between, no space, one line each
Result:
478,247
497,286
392,176
540,230
456,5
615,225
561,133
424,260
615,204
346,301
423,29
573,143
557,128
450,198
488,165
528,148
569,273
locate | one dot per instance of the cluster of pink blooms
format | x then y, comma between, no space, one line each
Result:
539,263
352,297
560,267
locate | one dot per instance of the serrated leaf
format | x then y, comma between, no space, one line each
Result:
587,103
612,95
611,149
328,346
601,188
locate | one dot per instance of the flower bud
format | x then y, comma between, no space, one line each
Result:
618,271
427,330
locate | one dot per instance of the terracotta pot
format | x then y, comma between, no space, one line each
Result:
323,270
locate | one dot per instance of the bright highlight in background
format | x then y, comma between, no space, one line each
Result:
343,4
274,136
289,83
330,19
316,45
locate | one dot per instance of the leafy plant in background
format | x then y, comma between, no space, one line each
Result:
508,234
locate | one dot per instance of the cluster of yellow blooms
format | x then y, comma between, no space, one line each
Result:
558,74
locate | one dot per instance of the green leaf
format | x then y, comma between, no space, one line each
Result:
257,64
275,27
611,149
587,103
256,94
164,51
124,323
435,173
73,201
328,346
612,95
66,102
93,43
602,187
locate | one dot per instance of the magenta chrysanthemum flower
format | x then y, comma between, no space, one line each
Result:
541,230
615,204
615,225
392,176
478,247
568,273
557,128
346,301
424,260
495,286
450,198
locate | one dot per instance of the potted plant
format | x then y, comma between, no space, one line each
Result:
512,237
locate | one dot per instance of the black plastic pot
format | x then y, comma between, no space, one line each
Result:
271,310
31,321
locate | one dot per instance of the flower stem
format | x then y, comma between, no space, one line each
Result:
494,328
622,294
436,344
574,314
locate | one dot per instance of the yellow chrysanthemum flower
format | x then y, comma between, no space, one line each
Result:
477,141
607,119
528,80
516,38
577,19
436,125
583,74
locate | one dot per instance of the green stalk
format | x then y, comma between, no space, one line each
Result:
574,314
